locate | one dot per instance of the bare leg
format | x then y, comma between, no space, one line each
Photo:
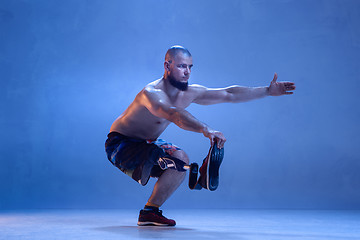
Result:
168,182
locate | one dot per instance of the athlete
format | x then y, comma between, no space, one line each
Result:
133,144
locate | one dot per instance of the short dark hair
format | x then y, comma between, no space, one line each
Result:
174,50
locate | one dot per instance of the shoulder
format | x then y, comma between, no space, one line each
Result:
197,86
152,90
153,93
197,89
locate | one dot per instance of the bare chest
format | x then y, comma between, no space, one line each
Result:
182,100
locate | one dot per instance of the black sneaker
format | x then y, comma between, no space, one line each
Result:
209,170
154,218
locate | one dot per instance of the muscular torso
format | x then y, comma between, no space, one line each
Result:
138,122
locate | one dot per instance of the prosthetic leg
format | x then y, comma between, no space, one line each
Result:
209,170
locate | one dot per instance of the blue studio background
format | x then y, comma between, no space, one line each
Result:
69,68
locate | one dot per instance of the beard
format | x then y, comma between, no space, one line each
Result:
182,86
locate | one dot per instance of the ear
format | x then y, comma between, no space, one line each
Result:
167,65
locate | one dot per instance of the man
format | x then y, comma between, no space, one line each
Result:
133,145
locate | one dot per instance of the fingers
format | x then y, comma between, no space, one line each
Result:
275,78
289,86
220,141
216,137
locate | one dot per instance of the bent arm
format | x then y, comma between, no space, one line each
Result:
182,119
158,104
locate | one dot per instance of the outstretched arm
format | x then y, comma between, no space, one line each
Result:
157,103
235,94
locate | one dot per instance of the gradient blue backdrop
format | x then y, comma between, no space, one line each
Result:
69,68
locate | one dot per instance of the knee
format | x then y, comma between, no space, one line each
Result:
180,154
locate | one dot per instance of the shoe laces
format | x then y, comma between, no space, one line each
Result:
159,213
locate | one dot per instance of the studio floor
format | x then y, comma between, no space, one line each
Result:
191,224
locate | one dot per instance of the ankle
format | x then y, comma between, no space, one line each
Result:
151,207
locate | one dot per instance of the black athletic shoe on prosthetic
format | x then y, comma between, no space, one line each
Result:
154,218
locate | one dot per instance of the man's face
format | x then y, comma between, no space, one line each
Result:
180,69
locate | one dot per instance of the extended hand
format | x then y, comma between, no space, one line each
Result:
280,88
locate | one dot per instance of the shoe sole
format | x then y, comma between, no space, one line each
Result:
154,224
213,166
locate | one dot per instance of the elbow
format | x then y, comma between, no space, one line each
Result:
232,96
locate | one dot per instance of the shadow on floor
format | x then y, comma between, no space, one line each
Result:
151,232
161,232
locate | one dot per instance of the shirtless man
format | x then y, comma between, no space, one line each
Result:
133,145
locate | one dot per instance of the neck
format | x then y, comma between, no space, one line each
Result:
170,90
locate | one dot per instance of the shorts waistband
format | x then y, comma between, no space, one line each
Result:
116,134
122,136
